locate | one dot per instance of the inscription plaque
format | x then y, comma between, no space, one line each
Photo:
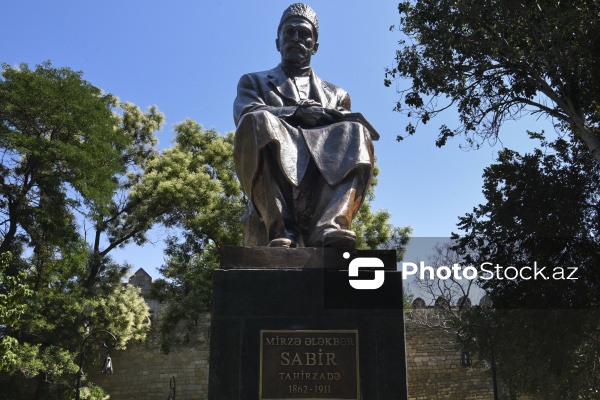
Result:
309,364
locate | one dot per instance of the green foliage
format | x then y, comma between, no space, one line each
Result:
93,392
13,293
70,155
57,133
62,310
123,311
542,207
193,187
497,60
192,183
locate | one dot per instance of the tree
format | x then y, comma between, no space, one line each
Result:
127,218
541,208
70,154
195,187
56,131
58,315
65,150
498,60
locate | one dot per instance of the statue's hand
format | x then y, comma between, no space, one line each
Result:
308,103
313,116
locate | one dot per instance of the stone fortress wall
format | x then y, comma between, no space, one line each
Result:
143,372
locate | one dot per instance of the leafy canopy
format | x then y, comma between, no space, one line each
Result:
13,293
497,60
193,188
56,130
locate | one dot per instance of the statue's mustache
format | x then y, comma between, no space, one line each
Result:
296,46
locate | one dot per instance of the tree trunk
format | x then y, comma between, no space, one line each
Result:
576,118
12,229
591,139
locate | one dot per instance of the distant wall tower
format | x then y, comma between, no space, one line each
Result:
143,280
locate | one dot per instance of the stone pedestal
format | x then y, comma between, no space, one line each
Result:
287,324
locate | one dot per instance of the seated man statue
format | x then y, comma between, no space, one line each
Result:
304,161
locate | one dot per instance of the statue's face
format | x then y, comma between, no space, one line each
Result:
296,42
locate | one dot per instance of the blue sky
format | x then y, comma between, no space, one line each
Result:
186,57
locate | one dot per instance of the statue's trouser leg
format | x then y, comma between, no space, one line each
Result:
336,206
273,198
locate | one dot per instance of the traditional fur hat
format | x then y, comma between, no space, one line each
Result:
300,10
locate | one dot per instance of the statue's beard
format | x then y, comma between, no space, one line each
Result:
296,55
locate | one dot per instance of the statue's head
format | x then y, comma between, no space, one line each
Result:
300,10
297,34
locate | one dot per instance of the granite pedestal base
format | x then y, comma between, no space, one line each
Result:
286,324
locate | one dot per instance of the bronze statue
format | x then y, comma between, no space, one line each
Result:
303,159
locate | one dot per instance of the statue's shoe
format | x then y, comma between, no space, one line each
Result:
339,238
280,242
